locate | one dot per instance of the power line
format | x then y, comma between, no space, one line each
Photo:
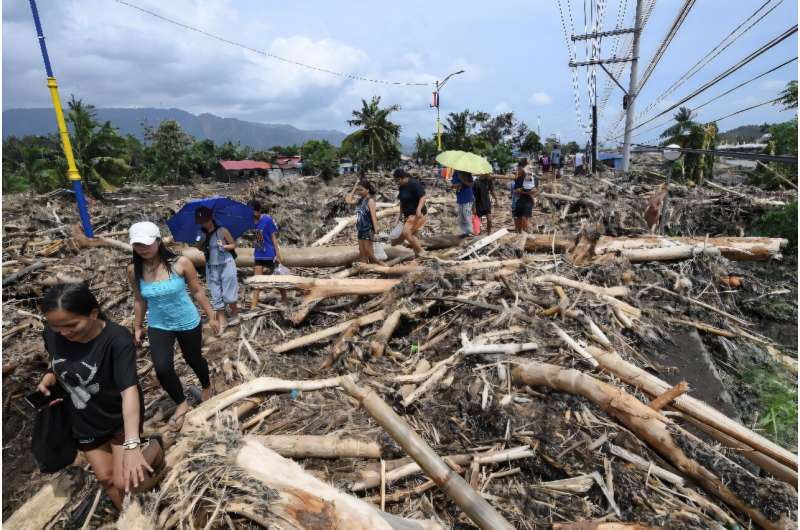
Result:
771,101
673,30
722,153
353,77
769,45
711,55
704,61
720,96
571,55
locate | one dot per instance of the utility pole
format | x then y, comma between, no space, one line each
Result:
632,88
594,134
439,86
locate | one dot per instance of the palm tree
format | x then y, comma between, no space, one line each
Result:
99,149
788,98
457,131
34,167
677,133
377,134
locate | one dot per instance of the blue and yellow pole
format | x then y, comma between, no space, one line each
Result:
72,170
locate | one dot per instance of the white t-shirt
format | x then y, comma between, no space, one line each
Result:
578,159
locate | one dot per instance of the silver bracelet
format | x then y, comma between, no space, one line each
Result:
133,443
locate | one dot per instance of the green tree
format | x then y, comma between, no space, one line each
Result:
531,144
320,157
425,150
457,133
677,133
788,98
167,154
377,133
32,163
501,153
99,149
203,158
571,148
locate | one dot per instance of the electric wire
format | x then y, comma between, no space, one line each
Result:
768,46
573,70
720,96
673,30
353,77
700,64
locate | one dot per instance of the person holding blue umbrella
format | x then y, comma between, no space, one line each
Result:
219,247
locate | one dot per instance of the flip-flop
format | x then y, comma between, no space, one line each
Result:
175,423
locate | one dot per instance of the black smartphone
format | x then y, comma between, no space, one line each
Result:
38,401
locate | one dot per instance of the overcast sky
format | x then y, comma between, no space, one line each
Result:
513,53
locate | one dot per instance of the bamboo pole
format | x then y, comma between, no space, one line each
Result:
475,506
326,333
324,446
344,222
619,290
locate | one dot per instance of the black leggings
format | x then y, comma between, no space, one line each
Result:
162,348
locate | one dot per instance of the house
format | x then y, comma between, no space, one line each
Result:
347,167
230,170
613,160
289,165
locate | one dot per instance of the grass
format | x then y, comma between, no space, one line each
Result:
777,400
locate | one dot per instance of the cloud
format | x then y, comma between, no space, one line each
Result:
502,107
541,98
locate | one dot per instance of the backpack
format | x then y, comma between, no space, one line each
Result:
53,445
207,241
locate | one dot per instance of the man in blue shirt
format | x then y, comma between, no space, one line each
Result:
267,251
465,198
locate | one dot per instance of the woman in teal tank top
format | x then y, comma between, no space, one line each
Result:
161,283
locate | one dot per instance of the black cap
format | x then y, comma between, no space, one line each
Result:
401,173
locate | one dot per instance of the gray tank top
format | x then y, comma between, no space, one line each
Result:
217,255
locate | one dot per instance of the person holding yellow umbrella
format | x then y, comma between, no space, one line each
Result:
465,165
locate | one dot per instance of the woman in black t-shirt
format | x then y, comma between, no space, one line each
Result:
94,360
411,194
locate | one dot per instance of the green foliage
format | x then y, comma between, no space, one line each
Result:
678,133
377,134
502,154
289,150
33,162
571,148
166,156
425,150
99,149
788,98
320,157
784,138
531,144
777,397
780,222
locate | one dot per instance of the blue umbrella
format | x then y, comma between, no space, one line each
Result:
233,215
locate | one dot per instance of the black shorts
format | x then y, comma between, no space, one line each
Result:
365,234
268,264
117,438
483,212
523,209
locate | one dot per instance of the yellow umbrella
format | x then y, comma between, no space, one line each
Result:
464,161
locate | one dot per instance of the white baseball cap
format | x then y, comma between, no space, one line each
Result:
145,233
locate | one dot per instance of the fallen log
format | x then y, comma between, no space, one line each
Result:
325,446
307,502
659,434
779,471
652,385
660,472
318,289
567,198
463,267
483,242
475,506
331,256
378,343
619,290
678,252
340,346
42,508
11,278
669,395
344,222
329,332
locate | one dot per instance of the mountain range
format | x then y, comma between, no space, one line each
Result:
41,121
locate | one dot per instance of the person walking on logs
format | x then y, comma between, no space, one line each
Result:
219,248
525,186
484,194
556,161
93,387
267,253
366,220
411,194
159,282
465,197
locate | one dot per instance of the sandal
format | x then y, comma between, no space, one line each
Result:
175,423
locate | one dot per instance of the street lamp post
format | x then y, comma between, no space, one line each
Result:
439,86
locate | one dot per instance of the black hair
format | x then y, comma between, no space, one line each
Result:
203,214
255,205
75,297
367,185
400,173
165,256
523,162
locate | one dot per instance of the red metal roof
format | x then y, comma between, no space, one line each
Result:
235,165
